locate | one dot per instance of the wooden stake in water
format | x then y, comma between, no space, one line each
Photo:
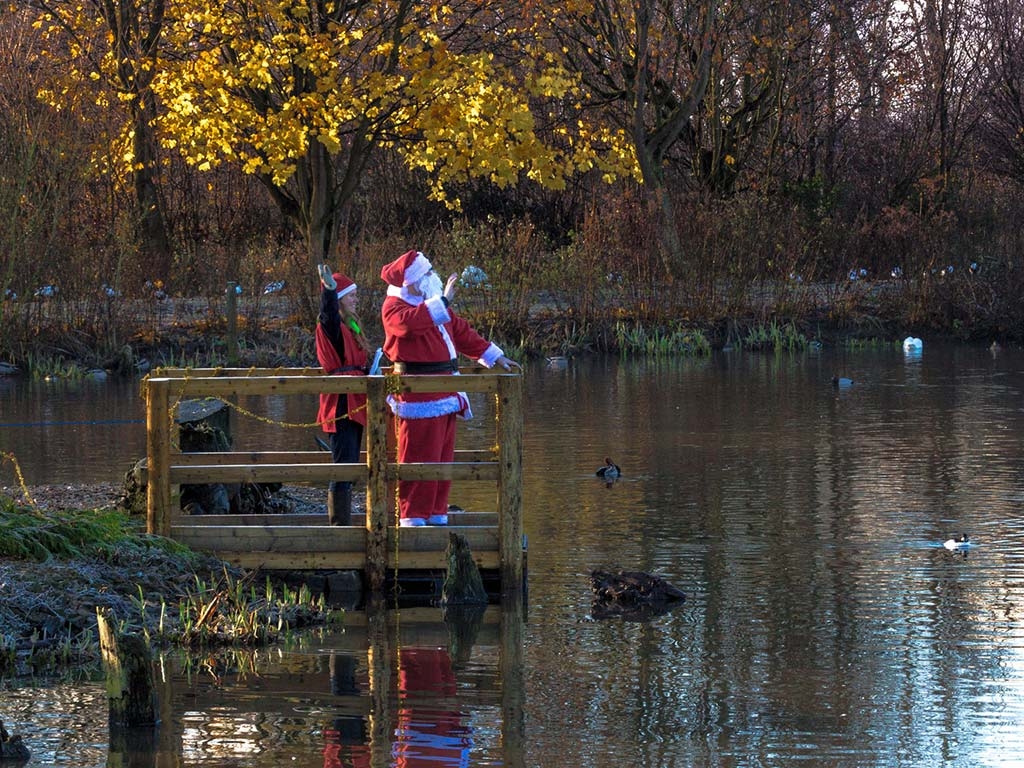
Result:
130,688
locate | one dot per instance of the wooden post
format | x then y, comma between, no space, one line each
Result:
376,482
232,319
158,457
510,478
127,662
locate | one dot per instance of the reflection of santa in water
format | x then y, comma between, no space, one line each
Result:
424,336
428,735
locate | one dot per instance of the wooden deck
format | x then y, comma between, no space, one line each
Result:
373,544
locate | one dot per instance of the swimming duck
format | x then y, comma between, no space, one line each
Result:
962,543
609,471
841,382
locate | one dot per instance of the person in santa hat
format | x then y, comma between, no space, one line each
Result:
341,349
422,335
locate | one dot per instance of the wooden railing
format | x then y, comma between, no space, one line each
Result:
168,468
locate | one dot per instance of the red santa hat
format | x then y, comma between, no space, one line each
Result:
344,284
406,269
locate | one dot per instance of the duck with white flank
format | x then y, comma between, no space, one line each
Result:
962,543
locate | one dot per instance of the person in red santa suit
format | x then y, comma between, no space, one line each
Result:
423,335
341,349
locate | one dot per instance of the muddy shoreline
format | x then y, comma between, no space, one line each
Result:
48,608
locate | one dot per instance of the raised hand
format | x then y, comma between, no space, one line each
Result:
326,277
449,287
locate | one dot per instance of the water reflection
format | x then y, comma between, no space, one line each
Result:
414,687
825,624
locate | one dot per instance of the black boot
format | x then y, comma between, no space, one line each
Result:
339,506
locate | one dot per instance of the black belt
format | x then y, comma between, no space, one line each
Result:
445,366
347,369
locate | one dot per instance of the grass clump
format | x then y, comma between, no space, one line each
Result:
774,336
657,342
29,534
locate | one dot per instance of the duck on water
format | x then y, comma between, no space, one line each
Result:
610,470
962,543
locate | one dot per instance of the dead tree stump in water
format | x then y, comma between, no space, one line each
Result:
463,584
131,695
632,595
205,426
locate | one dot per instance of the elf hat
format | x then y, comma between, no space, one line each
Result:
344,284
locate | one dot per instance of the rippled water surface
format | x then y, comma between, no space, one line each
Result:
825,624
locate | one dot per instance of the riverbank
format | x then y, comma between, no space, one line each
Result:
278,331
48,610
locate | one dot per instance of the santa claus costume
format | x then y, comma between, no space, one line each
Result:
343,417
422,335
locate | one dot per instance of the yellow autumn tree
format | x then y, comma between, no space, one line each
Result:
301,92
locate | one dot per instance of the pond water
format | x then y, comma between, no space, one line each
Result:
825,623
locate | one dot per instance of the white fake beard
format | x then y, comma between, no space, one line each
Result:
430,285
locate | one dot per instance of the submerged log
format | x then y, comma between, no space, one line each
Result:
463,584
131,693
632,595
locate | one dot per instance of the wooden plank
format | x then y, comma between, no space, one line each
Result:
287,384
344,561
251,457
271,538
284,519
326,538
454,471
470,383
266,473
324,472
170,372
236,386
295,561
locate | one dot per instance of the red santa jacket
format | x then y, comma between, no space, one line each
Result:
419,331
353,364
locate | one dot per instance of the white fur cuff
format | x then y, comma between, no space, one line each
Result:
490,356
438,311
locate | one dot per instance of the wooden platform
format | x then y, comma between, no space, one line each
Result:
372,544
